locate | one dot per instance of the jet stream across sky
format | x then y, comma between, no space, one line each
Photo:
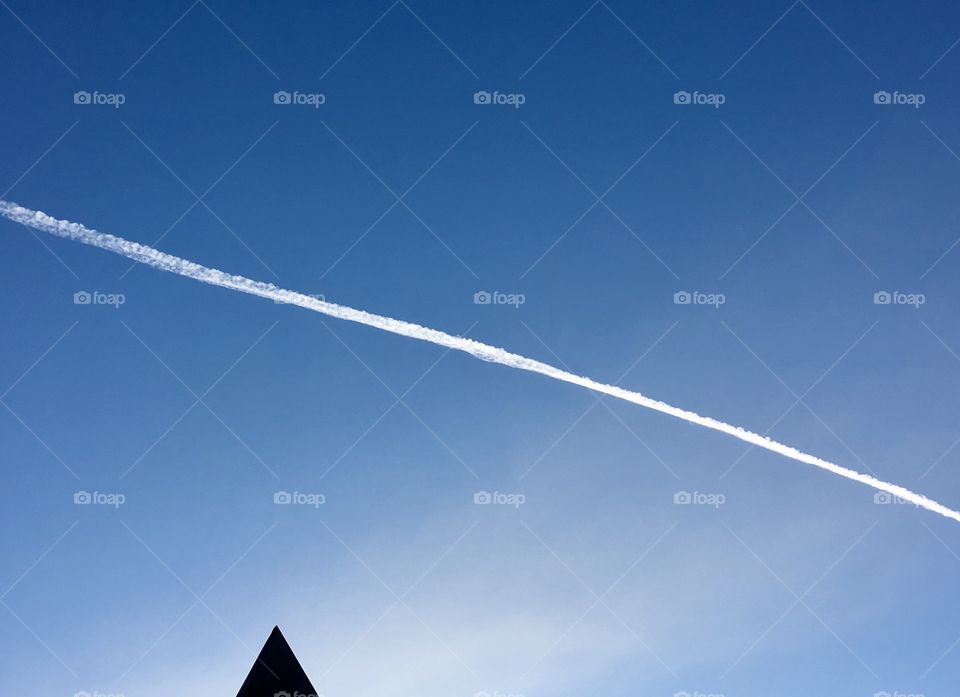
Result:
168,262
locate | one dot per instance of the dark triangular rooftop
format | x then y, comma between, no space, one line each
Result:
276,671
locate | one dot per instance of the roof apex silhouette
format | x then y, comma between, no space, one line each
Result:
277,672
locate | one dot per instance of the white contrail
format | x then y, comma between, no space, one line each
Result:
168,262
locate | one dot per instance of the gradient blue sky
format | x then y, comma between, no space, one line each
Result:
598,584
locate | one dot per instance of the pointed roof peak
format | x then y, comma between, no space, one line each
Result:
276,671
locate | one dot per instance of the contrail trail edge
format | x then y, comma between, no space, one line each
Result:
168,262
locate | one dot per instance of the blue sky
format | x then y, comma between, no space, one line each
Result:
597,200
